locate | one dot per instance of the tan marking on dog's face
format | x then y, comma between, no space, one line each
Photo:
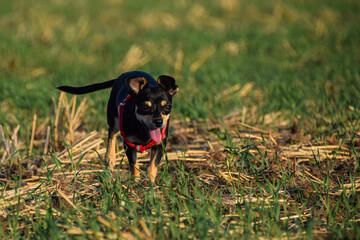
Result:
163,103
148,103
165,118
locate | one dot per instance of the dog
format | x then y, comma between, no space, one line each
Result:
139,108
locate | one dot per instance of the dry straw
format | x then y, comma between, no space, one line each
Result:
192,145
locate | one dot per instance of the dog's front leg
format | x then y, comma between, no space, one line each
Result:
132,156
155,158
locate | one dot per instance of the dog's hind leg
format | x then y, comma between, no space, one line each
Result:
113,123
111,149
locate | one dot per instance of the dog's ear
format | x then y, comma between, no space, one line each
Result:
135,84
168,83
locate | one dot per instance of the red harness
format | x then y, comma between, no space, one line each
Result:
139,148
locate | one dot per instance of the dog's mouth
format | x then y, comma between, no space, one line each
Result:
155,134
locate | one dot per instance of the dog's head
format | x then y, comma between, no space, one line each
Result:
153,105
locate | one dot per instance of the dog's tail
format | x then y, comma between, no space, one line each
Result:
88,88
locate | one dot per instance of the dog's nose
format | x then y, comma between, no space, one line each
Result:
158,122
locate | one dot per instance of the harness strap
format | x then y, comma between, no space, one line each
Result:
139,148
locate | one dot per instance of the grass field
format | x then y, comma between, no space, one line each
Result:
265,139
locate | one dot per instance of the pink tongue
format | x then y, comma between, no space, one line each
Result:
155,134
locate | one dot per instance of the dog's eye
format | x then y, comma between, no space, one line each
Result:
168,107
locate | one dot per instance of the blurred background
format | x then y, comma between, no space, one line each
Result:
298,57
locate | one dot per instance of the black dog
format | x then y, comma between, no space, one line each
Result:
139,107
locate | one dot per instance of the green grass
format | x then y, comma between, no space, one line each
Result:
184,204
301,58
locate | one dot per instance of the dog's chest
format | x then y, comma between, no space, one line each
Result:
134,139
